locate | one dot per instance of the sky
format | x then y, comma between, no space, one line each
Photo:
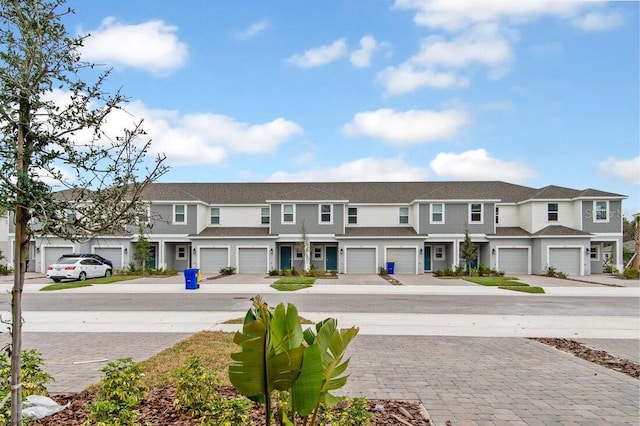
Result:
530,92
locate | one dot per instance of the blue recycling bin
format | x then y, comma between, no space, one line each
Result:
191,279
391,266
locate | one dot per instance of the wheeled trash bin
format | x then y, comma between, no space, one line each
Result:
191,279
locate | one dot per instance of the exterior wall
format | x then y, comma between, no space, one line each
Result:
162,220
456,217
235,216
509,215
373,216
526,216
307,214
540,218
615,218
234,245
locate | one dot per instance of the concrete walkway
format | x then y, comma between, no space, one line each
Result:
469,369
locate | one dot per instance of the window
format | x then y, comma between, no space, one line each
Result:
215,215
317,253
264,215
325,213
404,215
181,252
352,215
437,213
298,253
497,214
69,215
438,252
552,212
475,213
601,211
288,213
179,214
595,253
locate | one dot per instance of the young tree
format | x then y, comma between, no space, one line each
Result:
94,180
467,251
142,253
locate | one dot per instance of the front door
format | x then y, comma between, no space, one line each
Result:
285,257
151,262
332,258
427,258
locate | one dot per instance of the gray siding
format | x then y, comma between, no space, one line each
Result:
307,214
162,219
456,217
615,218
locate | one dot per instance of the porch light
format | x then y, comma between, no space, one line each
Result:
420,251
125,250
341,251
271,250
194,250
586,250
493,251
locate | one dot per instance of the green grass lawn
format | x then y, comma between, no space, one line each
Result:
524,289
495,281
86,283
293,283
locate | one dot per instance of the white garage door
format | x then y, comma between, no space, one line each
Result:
212,259
53,253
565,260
252,260
114,254
513,260
361,261
404,260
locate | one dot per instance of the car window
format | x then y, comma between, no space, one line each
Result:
67,260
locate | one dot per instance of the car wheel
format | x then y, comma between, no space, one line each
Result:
107,273
82,276
56,280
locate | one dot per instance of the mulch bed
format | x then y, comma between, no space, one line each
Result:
157,409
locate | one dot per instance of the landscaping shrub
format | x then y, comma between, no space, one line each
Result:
274,273
227,270
631,273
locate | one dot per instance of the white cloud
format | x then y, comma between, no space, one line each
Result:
407,128
406,78
252,30
361,58
594,21
457,15
364,169
152,46
320,55
479,165
625,170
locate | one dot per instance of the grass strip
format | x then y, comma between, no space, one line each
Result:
524,289
86,283
496,281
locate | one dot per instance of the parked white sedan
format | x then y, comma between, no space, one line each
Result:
77,268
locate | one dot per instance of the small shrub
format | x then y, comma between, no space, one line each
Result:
382,271
438,273
334,273
229,412
631,273
448,272
287,272
5,270
459,271
227,270
484,270
550,271
348,412
294,272
274,273
474,272
610,269
34,379
121,391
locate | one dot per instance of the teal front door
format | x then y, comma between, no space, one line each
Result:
285,257
332,258
427,258
151,262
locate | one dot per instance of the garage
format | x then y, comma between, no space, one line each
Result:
404,260
565,260
513,260
252,260
361,260
212,259
53,253
114,254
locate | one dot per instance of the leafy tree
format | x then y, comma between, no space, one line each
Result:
143,251
628,227
61,172
467,251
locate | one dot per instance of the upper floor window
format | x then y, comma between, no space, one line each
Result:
265,215
326,213
215,215
475,213
179,214
181,252
403,215
288,213
497,214
352,215
601,209
437,213
552,212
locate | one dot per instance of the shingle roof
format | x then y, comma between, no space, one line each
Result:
511,231
234,232
391,231
358,192
558,230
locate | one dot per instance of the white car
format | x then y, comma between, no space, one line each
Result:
77,268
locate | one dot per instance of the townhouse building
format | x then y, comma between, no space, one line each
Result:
356,227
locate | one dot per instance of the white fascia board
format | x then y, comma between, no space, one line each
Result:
383,237
607,234
113,237
233,237
306,201
170,202
561,236
470,200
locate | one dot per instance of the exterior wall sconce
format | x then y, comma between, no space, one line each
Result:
194,250
420,251
586,250
37,249
125,250
271,250
341,251
493,251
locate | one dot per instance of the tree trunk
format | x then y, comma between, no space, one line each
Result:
636,238
21,245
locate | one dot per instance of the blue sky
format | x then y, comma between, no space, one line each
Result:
529,92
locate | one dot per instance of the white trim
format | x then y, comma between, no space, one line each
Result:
400,215
282,213
607,211
173,216
320,213
347,223
513,247
434,251
476,222
314,247
431,221
211,216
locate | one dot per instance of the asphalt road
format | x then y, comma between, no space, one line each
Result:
367,303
